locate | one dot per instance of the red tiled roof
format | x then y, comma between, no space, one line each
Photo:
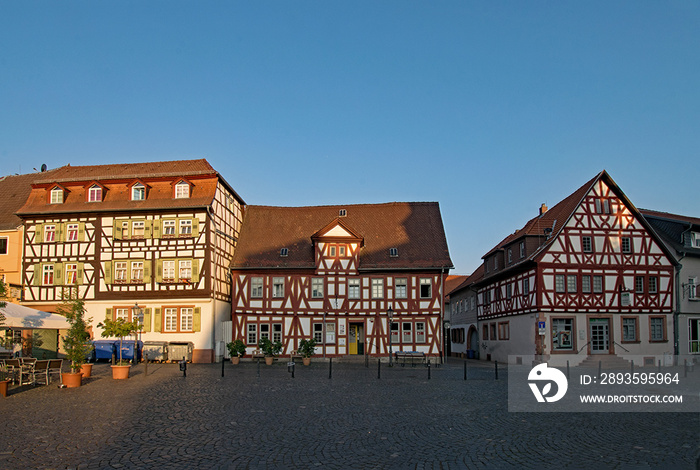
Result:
667,215
474,277
415,229
14,191
116,180
451,282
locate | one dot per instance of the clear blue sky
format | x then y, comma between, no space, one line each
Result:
488,107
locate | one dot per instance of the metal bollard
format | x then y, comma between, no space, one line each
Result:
632,367
568,374
223,360
496,370
183,367
379,368
465,370
428,369
145,365
330,368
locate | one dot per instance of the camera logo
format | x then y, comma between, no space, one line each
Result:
542,373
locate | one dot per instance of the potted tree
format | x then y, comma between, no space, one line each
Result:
76,342
119,328
235,350
269,349
307,348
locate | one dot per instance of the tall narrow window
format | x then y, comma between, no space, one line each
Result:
626,244
186,319
278,287
426,288
185,269
353,288
317,288
49,233
169,228
47,275
252,335
377,288
692,288
330,333
170,317
71,273
407,336
694,335
522,249
559,283
276,332
168,270
318,332
72,232
56,196
95,193
586,284
526,286
182,190
587,243
653,285
137,271
120,272
138,192
420,332
629,329
656,329
332,251
401,288
639,284
598,284
186,227
256,287
264,331
571,284
562,334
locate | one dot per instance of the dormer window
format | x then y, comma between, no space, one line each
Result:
284,252
138,192
182,190
393,252
95,193
342,213
56,196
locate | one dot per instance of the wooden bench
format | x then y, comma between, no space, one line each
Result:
413,356
258,354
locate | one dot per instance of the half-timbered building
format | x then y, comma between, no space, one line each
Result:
152,240
334,273
464,333
587,277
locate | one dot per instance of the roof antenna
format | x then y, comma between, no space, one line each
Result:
43,167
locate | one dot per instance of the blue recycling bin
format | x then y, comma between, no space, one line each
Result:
470,354
104,349
127,347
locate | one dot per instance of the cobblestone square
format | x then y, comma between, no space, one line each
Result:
259,417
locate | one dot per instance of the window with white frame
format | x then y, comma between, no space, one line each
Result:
586,284
252,336
182,190
626,244
137,271
692,288
56,196
122,313
330,333
420,332
394,333
121,273
138,192
353,288
407,330
125,229
186,227
71,273
256,287
318,332
377,288
694,335
170,319
526,286
653,285
95,193
587,243
695,239
597,284
169,229
49,233
278,287
560,283
510,255
317,288
47,275
168,270
264,331
401,289
138,229
571,284
72,232
629,329
426,291
522,249
639,284
276,332
185,269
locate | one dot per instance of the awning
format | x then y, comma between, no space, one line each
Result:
19,316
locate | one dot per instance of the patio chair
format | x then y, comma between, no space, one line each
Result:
13,367
55,366
41,370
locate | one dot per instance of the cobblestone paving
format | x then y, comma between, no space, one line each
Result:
354,420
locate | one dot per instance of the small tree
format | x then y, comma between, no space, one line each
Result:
76,342
269,348
236,348
119,328
307,347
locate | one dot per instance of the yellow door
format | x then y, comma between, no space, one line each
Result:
352,339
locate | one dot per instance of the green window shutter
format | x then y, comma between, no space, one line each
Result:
195,227
128,271
108,315
117,229
159,270
157,228
197,319
195,271
38,233
61,232
58,274
147,228
147,320
146,271
37,275
81,231
79,278
177,270
157,321
108,272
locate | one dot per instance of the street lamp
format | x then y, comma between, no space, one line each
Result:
390,314
137,313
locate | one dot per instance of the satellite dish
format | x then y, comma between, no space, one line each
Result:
43,167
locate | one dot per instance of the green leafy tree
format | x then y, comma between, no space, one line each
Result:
76,342
119,328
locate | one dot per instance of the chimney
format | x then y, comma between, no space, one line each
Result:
543,208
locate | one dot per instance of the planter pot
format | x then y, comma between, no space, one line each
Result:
86,369
120,372
235,360
306,360
72,379
3,387
269,360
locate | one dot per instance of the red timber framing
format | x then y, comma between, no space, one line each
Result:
338,278
147,248
592,255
